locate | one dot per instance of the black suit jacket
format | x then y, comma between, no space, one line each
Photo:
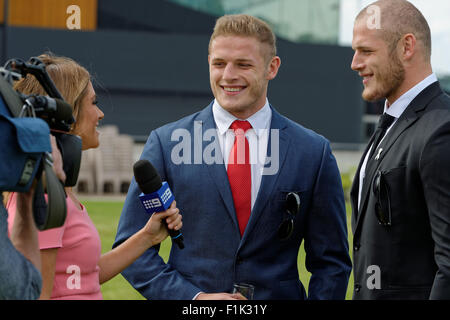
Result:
410,259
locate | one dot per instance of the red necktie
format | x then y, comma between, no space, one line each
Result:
239,173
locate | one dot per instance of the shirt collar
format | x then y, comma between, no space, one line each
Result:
259,120
400,105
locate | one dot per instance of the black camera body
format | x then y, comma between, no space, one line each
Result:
25,125
52,109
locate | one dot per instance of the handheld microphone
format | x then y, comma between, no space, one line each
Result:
156,195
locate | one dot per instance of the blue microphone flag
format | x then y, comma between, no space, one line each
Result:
159,200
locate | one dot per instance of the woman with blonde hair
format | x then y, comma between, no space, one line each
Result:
72,264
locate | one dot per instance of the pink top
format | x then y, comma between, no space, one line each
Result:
79,250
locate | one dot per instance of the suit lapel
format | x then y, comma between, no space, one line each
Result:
354,192
409,117
217,171
268,181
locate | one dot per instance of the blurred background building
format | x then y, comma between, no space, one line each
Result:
149,60
308,21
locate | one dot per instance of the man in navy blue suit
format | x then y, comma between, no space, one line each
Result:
251,185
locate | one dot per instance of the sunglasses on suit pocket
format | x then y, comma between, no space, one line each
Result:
383,201
292,206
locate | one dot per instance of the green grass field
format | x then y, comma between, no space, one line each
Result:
106,218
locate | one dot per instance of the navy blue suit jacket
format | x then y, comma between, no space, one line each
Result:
215,255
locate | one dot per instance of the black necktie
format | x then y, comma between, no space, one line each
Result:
383,124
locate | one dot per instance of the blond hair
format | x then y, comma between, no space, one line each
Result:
246,26
70,78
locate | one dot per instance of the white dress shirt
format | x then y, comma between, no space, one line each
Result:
257,137
396,110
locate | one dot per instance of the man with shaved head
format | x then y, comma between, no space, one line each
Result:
401,191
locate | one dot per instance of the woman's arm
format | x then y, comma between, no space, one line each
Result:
116,260
48,258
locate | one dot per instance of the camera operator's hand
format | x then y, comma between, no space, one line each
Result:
24,233
57,160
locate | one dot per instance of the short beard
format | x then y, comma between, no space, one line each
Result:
393,76
396,75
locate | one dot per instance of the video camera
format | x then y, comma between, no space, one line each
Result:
25,123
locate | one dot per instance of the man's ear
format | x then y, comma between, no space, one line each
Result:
408,46
273,67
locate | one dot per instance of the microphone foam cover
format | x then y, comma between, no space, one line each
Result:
146,176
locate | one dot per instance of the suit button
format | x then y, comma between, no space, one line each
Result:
357,287
356,247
